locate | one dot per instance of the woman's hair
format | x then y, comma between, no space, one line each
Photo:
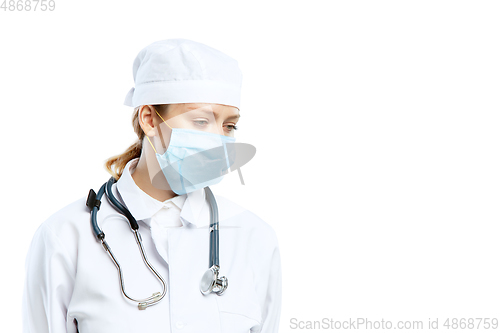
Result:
116,164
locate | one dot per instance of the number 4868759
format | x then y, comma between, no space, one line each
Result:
28,5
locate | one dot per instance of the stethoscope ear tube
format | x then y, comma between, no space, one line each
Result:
94,203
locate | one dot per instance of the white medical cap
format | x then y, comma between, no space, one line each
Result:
183,71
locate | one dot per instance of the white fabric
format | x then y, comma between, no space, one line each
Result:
71,281
184,71
167,217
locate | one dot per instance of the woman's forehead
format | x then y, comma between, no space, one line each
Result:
214,107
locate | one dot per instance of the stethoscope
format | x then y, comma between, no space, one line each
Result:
210,282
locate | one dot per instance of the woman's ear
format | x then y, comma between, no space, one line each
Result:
146,120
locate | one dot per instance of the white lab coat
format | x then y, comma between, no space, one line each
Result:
71,282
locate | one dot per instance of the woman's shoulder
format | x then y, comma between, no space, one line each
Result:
75,216
60,233
235,215
72,215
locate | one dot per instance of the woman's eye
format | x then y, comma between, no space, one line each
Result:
201,122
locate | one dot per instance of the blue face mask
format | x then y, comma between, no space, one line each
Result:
195,159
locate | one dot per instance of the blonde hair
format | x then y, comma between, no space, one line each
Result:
116,164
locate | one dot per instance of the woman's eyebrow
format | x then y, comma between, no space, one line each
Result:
216,115
236,116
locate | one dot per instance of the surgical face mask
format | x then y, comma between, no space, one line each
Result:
195,159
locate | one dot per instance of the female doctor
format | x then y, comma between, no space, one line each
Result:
186,100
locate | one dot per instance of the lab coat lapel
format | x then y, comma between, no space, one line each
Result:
195,210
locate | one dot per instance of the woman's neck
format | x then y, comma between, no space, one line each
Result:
141,175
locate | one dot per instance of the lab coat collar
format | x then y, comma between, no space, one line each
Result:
143,207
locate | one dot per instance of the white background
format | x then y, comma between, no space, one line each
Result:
376,125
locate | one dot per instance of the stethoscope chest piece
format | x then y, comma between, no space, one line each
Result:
210,282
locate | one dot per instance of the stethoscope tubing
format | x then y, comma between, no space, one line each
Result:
214,229
93,213
94,202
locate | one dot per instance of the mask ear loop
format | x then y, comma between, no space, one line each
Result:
147,137
162,118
